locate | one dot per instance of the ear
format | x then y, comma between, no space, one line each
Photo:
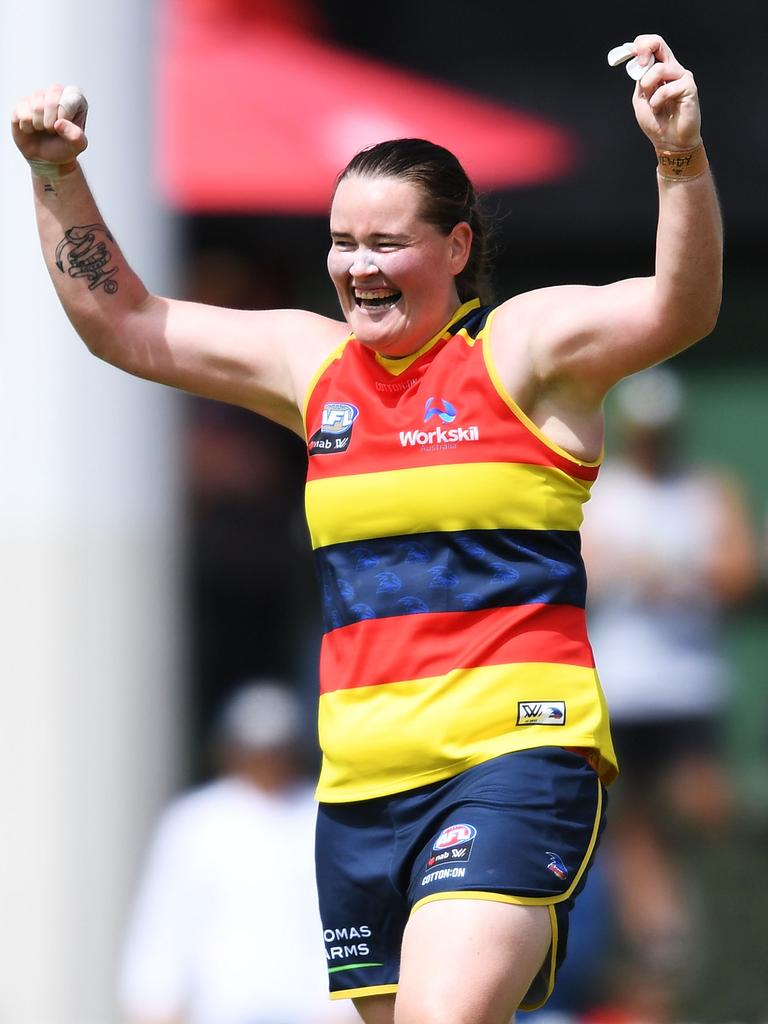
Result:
460,240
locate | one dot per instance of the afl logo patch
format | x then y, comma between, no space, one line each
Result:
338,417
335,431
454,835
453,845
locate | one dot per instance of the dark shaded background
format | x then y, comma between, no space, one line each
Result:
549,59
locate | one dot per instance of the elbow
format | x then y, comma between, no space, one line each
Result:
102,340
99,343
688,310
117,340
703,325
710,313
691,325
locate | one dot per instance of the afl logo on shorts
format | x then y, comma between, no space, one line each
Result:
454,844
454,835
335,431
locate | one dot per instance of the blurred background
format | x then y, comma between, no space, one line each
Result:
154,554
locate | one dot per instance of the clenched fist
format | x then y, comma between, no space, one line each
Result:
49,129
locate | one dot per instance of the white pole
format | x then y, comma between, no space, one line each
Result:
89,545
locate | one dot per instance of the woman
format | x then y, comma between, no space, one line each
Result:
450,450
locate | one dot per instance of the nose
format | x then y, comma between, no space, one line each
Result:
363,264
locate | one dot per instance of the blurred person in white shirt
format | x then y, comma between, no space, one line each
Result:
225,927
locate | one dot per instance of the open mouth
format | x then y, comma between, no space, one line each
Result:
376,299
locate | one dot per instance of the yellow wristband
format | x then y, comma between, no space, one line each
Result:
682,165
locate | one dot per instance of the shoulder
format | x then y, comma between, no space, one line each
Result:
302,331
537,324
530,334
540,306
584,338
310,339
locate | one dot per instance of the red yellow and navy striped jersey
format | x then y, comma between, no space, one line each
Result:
445,528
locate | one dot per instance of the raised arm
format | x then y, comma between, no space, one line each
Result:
582,340
261,360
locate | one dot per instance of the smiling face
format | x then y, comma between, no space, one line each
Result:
394,273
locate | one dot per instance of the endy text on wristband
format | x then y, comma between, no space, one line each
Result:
682,165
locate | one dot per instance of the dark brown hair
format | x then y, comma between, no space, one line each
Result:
449,198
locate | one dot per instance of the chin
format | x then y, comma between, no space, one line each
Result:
376,328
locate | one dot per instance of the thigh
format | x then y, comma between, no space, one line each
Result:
470,961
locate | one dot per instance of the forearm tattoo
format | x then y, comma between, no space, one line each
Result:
81,253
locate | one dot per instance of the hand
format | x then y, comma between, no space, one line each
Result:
666,99
49,126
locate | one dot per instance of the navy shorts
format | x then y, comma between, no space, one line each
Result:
520,828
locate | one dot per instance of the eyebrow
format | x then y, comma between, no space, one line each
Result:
376,237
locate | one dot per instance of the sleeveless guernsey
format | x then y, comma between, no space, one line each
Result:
445,531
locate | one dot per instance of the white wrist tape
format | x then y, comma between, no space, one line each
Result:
45,169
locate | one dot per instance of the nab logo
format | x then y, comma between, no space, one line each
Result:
550,712
445,412
338,417
453,835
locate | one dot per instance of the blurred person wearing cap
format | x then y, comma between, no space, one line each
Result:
225,927
668,547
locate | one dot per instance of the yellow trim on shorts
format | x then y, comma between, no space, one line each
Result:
356,993
470,894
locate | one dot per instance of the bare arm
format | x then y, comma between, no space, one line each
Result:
261,360
582,340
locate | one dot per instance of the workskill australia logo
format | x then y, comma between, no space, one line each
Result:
335,433
439,437
545,712
444,410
